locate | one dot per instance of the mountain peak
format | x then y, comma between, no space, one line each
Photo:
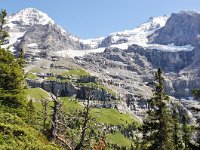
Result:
31,16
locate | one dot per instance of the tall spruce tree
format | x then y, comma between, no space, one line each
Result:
11,74
157,127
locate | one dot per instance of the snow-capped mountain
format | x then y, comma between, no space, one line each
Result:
38,34
139,36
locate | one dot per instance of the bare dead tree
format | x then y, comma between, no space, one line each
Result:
56,109
45,104
86,121
58,124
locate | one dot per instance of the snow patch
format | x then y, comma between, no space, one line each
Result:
170,47
77,53
32,45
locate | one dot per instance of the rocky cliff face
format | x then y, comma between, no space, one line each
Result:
181,29
44,40
130,73
100,97
168,61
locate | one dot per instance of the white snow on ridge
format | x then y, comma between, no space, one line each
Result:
30,16
139,35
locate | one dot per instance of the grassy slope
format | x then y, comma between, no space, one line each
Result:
107,116
36,93
16,134
103,115
111,116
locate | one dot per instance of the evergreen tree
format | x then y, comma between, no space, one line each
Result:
3,33
31,113
186,133
21,58
157,127
177,132
11,75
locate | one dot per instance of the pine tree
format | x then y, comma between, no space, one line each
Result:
157,127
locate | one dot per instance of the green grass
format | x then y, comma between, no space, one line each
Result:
103,115
31,76
70,104
120,139
111,116
16,134
36,93
76,72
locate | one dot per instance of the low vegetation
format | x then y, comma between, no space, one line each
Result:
76,73
36,93
16,133
119,139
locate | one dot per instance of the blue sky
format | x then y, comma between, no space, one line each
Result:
94,18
